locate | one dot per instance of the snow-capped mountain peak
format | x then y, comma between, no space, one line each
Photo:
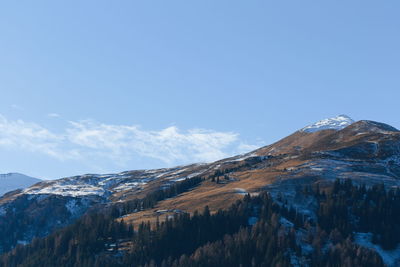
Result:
335,123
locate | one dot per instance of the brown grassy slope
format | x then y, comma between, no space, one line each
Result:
215,196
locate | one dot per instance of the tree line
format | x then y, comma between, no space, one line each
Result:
228,237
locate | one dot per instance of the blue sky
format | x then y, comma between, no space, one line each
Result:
106,86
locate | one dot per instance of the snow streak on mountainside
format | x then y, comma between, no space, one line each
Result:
336,123
13,181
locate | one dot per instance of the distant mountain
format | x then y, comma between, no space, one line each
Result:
327,221
13,181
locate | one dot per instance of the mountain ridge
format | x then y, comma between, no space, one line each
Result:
365,152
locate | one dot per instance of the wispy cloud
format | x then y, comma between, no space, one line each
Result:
90,140
29,136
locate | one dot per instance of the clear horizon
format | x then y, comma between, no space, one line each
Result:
99,87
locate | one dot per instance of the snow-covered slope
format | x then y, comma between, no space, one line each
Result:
336,123
104,185
13,181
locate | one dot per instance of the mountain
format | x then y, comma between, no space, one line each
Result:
13,181
299,174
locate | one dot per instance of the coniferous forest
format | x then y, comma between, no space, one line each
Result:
255,231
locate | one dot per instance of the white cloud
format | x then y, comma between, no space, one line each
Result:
89,141
32,137
169,145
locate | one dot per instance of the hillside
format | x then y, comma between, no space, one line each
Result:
294,171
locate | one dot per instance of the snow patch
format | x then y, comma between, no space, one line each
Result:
190,176
241,191
128,186
336,123
390,257
72,190
244,156
72,206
